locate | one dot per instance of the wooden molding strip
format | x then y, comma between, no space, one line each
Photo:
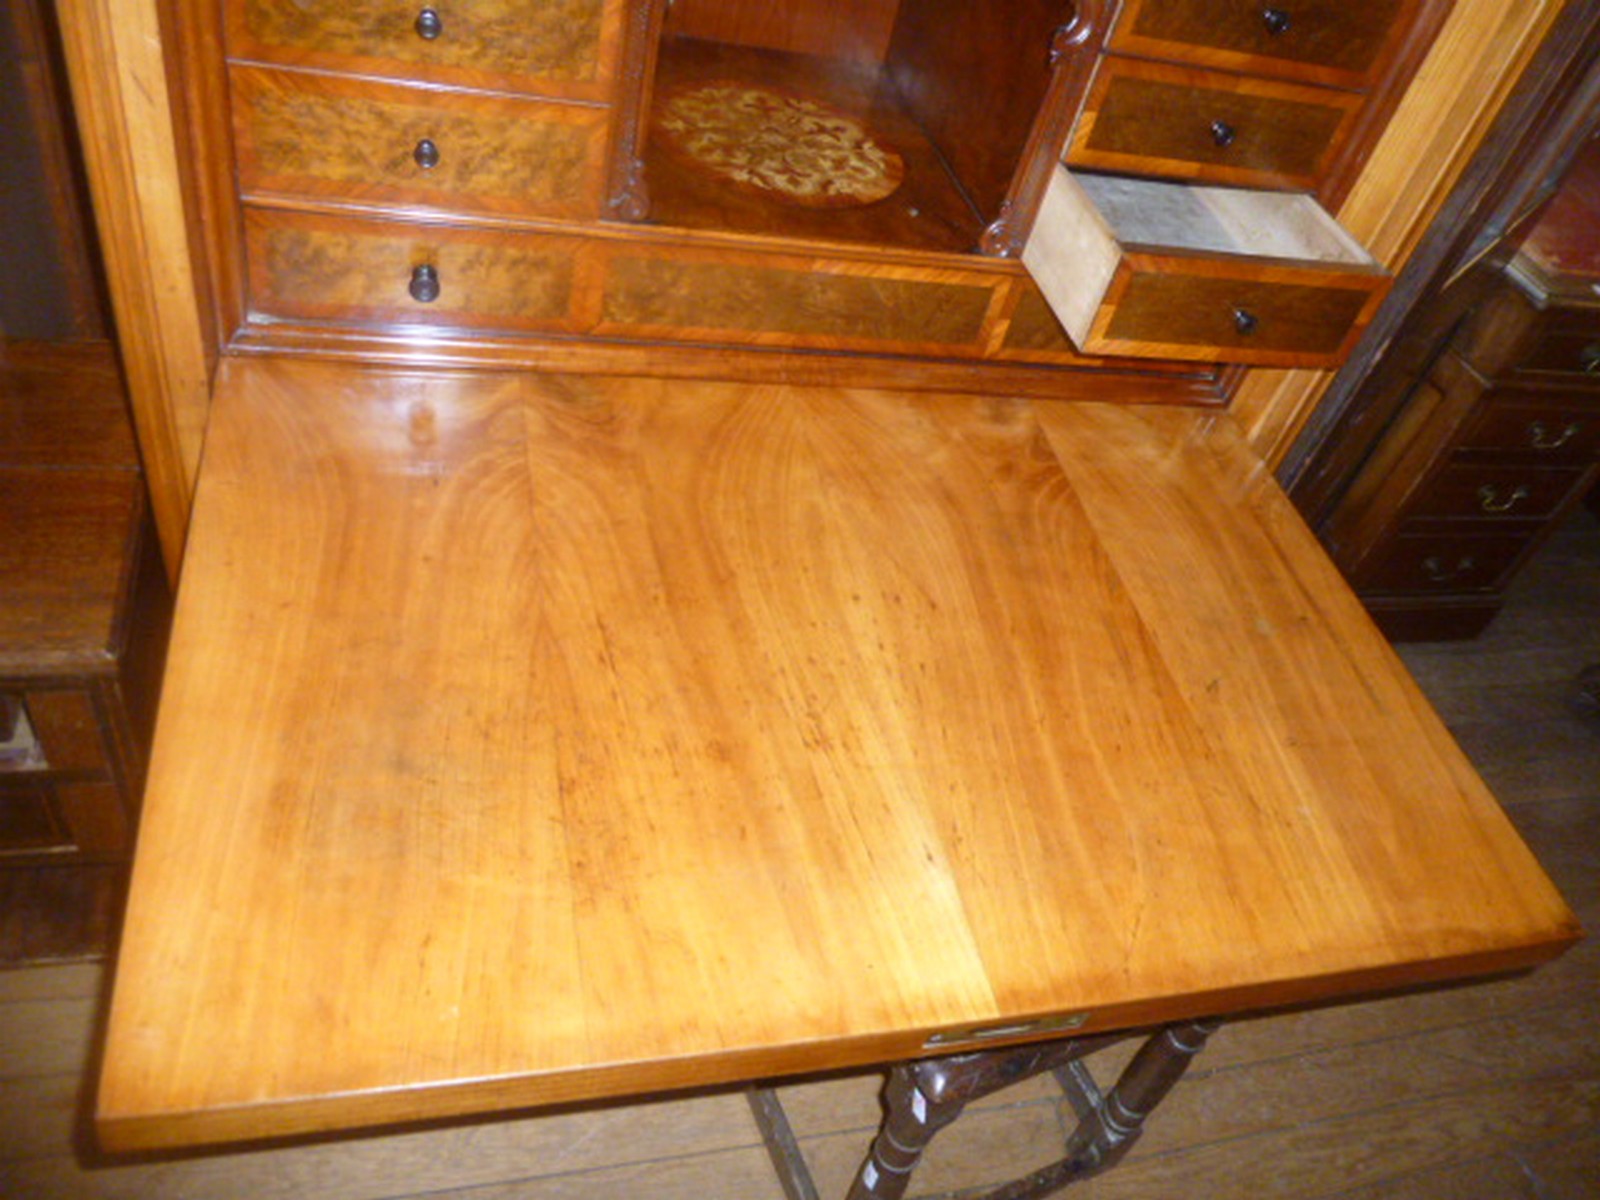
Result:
119,88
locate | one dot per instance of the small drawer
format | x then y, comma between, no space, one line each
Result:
1484,491
324,136
1424,563
68,729
1160,270
1157,119
30,821
1565,351
1338,42
1549,428
559,48
315,267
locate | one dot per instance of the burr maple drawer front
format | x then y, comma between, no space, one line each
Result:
1337,42
316,267
562,48
1158,119
1152,269
303,135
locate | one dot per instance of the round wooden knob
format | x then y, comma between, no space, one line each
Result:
424,287
1223,134
429,26
1245,321
426,155
1276,20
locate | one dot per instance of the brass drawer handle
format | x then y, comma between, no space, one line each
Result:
1589,359
1245,321
429,25
1223,134
424,287
1540,437
1435,570
1490,500
426,155
1277,20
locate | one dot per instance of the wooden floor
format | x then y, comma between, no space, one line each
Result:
1488,1092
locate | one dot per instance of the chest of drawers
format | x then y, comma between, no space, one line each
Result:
517,179
1499,441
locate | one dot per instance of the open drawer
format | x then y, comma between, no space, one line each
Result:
1164,270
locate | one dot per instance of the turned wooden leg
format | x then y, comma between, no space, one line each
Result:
924,1096
908,1127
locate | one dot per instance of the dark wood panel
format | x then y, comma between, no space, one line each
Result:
323,267
946,53
1444,563
1552,427
63,559
1156,119
854,29
795,303
326,136
1326,41
1496,491
548,47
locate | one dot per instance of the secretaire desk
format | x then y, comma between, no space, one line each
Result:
530,739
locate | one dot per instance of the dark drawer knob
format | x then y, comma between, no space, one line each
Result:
1223,134
424,287
426,155
429,26
1492,500
1245,321
1276,20
1437,570
1589,359
1542,437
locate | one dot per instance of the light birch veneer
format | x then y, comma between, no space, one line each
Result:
533,739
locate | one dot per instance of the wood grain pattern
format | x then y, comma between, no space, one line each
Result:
1161,306
1326,41
319,267
1157,119
858,30
551,737
793,302
315,136
560,48
119,89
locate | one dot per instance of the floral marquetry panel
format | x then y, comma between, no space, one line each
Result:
565,48
328,268
323,136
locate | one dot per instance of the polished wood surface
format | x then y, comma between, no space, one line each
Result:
1320,41
858,30
125,127
329,137
559,48
1162,119
531,738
